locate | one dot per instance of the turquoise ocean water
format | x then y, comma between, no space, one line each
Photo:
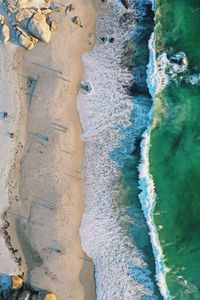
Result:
175,149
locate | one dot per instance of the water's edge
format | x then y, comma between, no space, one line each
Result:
113,120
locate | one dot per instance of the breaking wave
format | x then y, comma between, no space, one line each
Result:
156,80
111,119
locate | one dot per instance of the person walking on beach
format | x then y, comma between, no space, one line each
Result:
3,114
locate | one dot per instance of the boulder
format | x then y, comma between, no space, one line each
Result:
25,295
5,285
46,296
27,41
5,33
45,4
38,26
2,19
17,282
24,15
21,4
77,21
15,5
50,297
46,11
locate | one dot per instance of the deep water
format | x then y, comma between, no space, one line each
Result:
175,150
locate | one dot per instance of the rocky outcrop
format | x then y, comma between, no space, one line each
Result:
14,288
17,282
25,40
15,5
38,26
4,33
46,296
34,20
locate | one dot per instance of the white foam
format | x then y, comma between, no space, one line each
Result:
146,184
120,268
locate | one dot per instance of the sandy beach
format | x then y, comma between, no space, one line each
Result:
41,184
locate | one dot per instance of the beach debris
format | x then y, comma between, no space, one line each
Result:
76,20
17,281
38,26
4,33
25,295
46,296
3,114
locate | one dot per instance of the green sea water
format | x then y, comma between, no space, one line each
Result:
175,151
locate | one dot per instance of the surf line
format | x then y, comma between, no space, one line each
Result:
147,195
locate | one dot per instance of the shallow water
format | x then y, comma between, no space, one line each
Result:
175,150
114,115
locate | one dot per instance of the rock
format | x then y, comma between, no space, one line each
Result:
77,21
25,295
21,4
50,297
2,19
24,15
56,7
17,282
5,285
46,11
27,41
179,62
5,33
45,4
38,26
125,3
53,25
46,296
15,5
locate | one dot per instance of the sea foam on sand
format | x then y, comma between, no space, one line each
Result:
120,269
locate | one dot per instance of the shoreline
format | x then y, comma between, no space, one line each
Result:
110,137
55,164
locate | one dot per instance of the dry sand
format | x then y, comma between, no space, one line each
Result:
41,179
